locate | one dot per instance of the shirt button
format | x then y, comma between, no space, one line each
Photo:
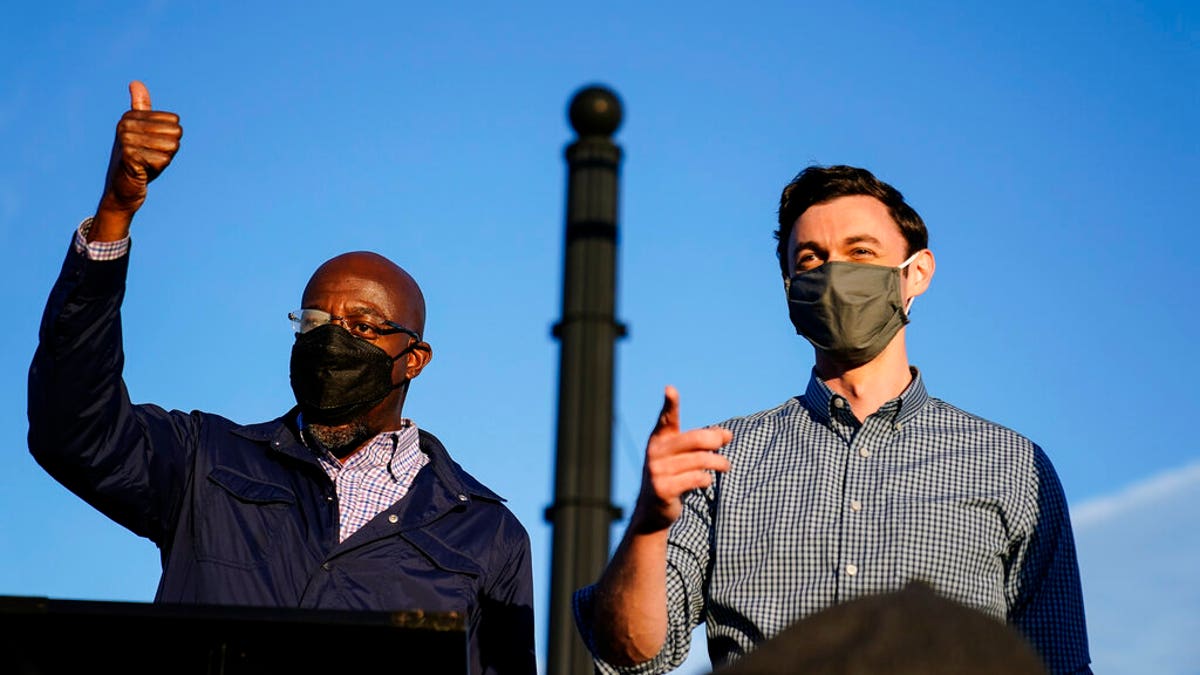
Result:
864,452
326,566
462,498
898,426
855,505
839,402
851,569
393,518
328,498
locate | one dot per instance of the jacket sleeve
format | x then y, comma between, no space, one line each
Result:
127,461
506,640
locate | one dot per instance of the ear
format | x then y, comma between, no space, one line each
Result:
920,273
417,359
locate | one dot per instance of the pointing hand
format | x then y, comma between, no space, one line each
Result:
676,462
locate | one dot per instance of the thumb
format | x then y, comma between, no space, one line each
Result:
139,96
668,418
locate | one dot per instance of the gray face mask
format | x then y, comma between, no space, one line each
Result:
848,311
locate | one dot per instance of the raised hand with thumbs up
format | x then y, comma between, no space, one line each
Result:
145,143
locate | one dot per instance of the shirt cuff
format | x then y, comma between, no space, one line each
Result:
98,250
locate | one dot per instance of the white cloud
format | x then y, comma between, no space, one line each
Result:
1142,494
1139,558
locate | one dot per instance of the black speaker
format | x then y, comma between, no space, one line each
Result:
41,636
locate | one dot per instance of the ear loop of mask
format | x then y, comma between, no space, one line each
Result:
412,347
908,305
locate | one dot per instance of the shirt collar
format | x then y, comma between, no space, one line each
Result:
392,448
820,399
913,398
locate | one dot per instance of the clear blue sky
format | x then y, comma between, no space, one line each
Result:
1052,148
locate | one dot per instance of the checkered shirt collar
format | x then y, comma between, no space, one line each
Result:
379,451
818,398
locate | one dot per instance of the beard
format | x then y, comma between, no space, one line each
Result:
340,439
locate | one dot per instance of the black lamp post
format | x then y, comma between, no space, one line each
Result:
582,511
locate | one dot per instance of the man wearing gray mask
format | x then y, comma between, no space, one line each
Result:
857,486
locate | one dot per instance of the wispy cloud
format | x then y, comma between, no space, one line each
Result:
1163,486
1139,549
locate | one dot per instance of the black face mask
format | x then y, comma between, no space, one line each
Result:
336,377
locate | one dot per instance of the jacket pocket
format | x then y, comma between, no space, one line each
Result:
239,517
441,554
408,571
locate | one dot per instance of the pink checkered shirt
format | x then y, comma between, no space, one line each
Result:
375,477
371,480
98,250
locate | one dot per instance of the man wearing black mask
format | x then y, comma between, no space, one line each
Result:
858,485
341,503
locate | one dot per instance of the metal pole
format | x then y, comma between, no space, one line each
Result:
582,511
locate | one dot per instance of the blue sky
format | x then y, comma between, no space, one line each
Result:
1054,152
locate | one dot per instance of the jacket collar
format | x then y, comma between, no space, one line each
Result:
281,435
449,471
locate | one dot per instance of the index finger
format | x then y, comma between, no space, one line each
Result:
139,96
668,417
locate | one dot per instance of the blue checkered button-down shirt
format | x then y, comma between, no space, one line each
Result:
819,509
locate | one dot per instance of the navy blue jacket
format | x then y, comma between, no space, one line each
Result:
244,515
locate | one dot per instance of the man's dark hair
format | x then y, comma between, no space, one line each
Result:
818,184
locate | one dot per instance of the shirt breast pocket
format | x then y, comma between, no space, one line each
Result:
954,543
239,518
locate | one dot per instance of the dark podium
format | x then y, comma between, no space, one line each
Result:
41,636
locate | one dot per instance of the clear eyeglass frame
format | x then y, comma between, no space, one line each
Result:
364,326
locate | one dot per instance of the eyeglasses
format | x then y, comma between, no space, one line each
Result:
362,326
